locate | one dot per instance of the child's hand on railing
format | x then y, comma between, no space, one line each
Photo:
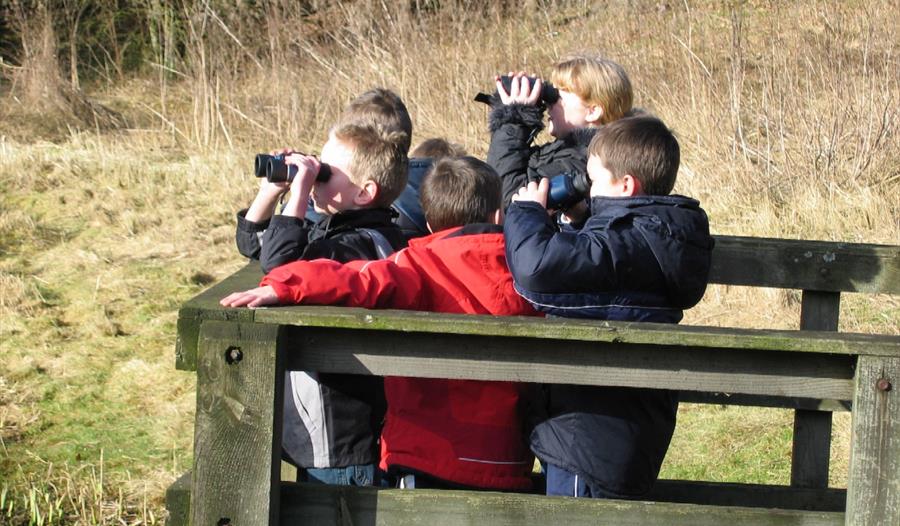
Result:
258,297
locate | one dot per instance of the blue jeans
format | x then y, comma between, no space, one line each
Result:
565,483
358,475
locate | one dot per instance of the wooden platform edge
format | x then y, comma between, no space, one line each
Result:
178,501
340,505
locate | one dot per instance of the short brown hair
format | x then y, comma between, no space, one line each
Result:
378,155
642,147
596,80
436,148
379,107
460,191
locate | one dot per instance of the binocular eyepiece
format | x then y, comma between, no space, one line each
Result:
549,93
566,189
275,170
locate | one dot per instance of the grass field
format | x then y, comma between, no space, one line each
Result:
117,201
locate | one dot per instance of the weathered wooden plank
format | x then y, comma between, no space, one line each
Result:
178,501
587,363
331,505
806,265
816,404
237,435
873,491
749,495
205,306
662,334
811,452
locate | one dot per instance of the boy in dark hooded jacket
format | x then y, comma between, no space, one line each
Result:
642,255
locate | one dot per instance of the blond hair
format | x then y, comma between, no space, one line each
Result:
381,108
596,80
379,155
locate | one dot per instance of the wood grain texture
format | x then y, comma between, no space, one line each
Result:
873,490
340,506
585,363
237,435
806,265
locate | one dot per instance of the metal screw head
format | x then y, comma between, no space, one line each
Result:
883,384
233,355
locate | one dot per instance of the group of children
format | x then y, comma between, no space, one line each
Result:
628,251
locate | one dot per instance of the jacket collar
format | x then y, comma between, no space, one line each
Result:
349,219
466,230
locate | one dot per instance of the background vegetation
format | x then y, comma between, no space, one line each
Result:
127,130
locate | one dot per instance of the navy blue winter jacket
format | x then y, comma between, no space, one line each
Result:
637,259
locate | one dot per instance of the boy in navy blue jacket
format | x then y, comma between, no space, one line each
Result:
642,255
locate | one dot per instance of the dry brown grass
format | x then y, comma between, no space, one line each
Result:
787,114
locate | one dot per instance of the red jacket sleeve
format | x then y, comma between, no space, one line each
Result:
370,284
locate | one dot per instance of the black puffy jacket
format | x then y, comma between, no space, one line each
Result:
344,412
636,259
511,153
336,237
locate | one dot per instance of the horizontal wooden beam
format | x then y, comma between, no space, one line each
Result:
678,491
387,353
338,506
806,265
206,307
749,495
812,404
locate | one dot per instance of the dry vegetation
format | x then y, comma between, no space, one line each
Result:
118,187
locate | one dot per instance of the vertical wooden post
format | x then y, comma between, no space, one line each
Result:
873,489
811,452
237,435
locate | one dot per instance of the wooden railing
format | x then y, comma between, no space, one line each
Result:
239,356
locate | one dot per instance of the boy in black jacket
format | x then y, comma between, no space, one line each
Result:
377,107
642,255
331,421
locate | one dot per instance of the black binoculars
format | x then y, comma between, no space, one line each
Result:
566,189
549,93
275,170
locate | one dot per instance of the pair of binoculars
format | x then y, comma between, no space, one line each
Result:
566,189
275,170
549,93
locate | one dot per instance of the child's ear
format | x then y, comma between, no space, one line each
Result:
631,186
595,113
368,192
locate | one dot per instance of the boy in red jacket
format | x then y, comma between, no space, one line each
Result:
470,434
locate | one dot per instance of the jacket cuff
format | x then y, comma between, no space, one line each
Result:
285,297
246,225
531,116
283,220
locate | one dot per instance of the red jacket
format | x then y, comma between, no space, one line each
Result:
463,431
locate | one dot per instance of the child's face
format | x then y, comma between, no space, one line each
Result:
339,192
567,114
603,183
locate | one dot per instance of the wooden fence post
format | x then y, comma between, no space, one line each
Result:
873,487
237,435
811,452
